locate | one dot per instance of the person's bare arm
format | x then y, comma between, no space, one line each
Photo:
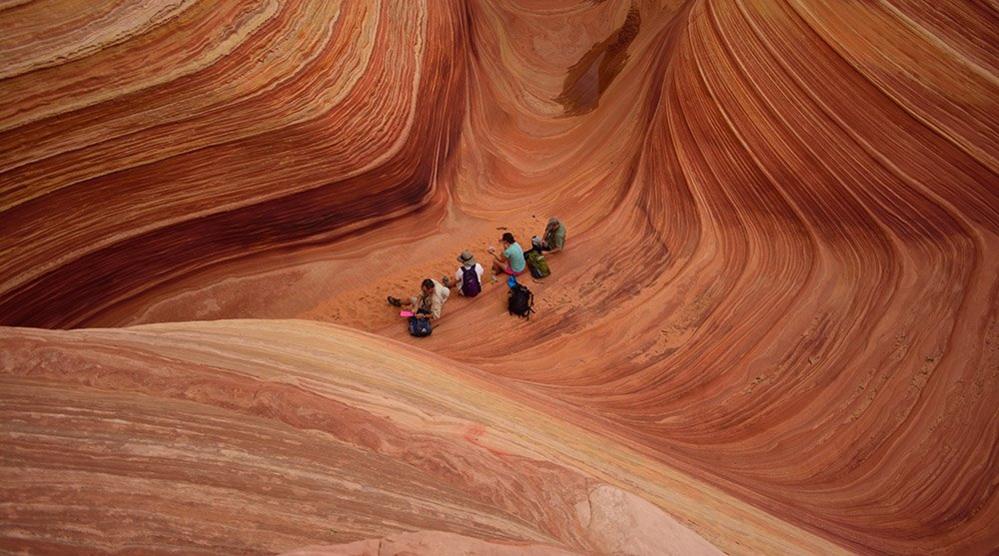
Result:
500,258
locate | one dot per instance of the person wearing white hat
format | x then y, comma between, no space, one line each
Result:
468,278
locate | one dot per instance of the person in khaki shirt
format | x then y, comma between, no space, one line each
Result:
429,302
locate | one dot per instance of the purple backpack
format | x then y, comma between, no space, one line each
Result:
470,286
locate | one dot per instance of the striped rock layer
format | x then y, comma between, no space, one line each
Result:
774,328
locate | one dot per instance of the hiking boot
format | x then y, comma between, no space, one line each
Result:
394,301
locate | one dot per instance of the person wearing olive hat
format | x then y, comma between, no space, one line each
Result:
554,237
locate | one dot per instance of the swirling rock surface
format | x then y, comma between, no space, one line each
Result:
266,436
776,319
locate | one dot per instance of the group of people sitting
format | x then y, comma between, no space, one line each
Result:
511,261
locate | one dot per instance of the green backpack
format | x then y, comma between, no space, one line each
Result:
537,264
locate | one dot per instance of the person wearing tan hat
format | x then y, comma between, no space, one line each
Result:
468,278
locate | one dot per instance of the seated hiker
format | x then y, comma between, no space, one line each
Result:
468,278
429,302
554,238
511,261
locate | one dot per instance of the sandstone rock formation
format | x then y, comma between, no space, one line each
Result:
774,330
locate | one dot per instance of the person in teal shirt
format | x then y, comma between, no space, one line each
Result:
511,261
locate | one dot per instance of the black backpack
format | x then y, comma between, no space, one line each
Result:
419,327
521,301
470,286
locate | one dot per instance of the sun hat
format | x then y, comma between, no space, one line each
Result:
466,259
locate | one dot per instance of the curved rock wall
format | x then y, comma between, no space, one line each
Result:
205,133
